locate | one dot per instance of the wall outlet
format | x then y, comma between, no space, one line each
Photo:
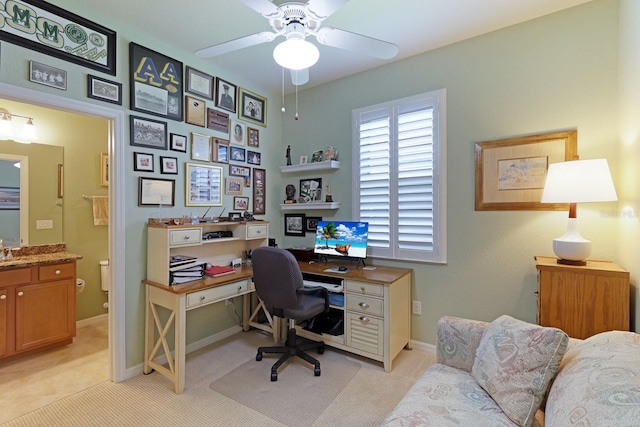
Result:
228,302
417,307
44,224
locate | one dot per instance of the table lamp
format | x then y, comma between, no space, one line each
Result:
574,182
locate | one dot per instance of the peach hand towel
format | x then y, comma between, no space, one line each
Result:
100,210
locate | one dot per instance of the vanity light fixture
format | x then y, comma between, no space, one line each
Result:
28,134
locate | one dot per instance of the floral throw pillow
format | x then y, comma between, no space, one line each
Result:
515,364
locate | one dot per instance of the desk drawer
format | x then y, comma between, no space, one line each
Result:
365,333
256,231
186,236
218,293
56,271
365,288
363,304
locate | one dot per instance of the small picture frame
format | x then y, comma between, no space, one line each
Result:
294,225
104,169
259,191
238,154
220,150
311,223
252,107
200,147
316,156
304,160
169,165
47,75
253,137
235,170
254,158
178,143
156,192
331,153
148,133
143,162
240,203
310,190
237,131
104,90
233,186
217,120
225,95
195,111
235,216
199,83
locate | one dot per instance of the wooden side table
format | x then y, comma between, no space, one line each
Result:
582,300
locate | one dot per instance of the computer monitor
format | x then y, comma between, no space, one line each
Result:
341,239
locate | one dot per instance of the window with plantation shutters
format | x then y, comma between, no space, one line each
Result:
399,172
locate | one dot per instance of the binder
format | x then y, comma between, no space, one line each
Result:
217,270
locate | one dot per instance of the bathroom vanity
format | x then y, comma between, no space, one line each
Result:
37,300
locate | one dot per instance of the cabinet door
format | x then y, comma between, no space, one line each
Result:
45,313
3,322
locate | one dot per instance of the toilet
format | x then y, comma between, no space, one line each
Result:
104,278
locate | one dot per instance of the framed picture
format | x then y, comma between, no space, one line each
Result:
143,162
195,111
253,137
148,133
218,120
76,40
169,165
310,190
294,224
253,107
225,95
238,154
178,143
235,170
311,223
240,203
104,169
259,191
220,150
235,216
9,198
150,93
104,90
304,160
47,75
199,83
233,185
254,157
200,147
331,153
203,185
510,173
60,181
237,131
316,156
156,192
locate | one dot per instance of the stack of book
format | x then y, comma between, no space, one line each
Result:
184,269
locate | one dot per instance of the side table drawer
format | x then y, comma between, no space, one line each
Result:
218,293
363,304
256,231
365,288
365,333
187,236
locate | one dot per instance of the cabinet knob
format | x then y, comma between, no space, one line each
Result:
58,272
362,288
20,293
3,297
201,297
239,288
364,319
364,305
186,237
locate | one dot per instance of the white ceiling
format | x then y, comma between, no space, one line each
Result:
416,26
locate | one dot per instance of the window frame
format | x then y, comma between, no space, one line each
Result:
437,100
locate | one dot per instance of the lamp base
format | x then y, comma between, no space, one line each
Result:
571,262
572,247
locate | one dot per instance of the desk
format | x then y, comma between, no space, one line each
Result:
179,299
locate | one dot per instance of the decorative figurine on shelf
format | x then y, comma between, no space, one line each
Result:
328,197
288,155
290,190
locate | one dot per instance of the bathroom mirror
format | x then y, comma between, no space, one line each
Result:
31,193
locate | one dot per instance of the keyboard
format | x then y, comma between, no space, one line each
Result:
328,286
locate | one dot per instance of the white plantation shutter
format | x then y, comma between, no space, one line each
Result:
399,175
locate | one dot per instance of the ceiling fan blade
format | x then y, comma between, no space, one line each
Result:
299,77
342,39
263,7
324,8
237,44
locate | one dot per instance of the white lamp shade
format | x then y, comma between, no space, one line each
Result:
28,134
6,131
579,181
296,54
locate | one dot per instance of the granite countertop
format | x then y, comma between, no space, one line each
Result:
27,256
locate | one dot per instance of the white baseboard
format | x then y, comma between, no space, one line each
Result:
428,348
92,320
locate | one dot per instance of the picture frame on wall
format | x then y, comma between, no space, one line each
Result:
199,83
200,147
156,192
294,224
203,185
233,185
220,150
237,132
148,92
148,132
47,75
311,223
104,169
238,154
169,165
195,111
178,143
254,157
253,137
142,162
252,107
217,120
240,203
259,191
104,90
310,190
225,95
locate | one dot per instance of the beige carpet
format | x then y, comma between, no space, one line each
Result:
150,401
298,398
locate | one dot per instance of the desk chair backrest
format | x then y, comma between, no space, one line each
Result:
276,275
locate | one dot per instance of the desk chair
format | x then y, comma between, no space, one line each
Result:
278,282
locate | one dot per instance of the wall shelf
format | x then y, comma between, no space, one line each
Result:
308,206
309,167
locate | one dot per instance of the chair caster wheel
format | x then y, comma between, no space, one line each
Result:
316,372
321,350
259,357
274,376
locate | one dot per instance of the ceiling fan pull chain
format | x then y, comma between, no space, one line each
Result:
296,116
282,109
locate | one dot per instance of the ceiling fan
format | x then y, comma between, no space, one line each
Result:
295,21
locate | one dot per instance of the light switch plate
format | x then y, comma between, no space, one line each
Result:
44,224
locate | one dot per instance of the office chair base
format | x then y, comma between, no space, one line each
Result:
292,348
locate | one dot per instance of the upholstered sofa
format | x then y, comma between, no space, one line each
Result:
513,373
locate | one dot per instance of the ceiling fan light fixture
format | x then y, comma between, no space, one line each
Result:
296,54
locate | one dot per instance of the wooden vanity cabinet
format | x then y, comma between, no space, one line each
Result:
38,309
